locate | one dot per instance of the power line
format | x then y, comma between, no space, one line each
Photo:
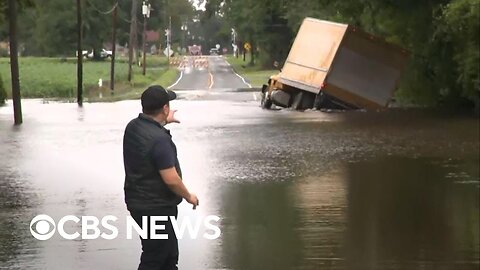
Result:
103,12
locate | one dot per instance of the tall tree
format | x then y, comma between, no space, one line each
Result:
53,30
96,21
262,23
459,26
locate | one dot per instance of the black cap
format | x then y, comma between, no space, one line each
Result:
155,97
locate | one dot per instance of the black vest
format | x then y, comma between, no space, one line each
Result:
144,187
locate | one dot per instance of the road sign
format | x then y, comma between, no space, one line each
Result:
168,52
247,46
195,50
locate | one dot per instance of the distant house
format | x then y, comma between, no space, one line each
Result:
153,36
153,40
4,48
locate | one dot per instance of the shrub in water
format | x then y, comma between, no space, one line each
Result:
3,92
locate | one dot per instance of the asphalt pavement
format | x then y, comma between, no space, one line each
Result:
212,73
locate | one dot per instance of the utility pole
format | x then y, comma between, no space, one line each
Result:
79,55
169,36
146,14
184,29
17,103
234,43
133,31
144,68
114,48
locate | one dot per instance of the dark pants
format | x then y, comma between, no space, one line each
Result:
158,254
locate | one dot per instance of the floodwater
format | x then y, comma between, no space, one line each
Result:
312,190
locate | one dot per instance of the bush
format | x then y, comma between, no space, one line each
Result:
3,52
3,92
459,25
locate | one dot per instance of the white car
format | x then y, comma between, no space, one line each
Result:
103,54
84,53
214,51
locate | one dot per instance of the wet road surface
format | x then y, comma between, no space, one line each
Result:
207,73
312,190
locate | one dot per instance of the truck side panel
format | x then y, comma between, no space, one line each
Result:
312,54
365,71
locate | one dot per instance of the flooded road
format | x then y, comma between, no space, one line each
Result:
313,190
207,73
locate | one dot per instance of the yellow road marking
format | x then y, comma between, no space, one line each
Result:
210,84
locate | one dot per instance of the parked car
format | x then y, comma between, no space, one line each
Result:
84,53
103,54
106,53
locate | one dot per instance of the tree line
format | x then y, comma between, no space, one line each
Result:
48,27
442,36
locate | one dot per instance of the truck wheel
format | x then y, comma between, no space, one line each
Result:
320,100
280,98
297,101
266,102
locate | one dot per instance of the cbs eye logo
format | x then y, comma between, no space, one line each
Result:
42,227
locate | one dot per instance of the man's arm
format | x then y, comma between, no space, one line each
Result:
171,117
175,183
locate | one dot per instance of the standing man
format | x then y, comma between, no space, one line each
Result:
153,178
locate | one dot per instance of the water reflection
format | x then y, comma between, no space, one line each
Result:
259,224
393,190
406,213
385,213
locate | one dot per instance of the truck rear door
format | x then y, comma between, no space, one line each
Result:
312,54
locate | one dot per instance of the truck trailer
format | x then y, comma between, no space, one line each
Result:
336,66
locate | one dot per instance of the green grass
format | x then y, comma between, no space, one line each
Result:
57,78
125,91
255,75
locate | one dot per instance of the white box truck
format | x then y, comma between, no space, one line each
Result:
336,66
